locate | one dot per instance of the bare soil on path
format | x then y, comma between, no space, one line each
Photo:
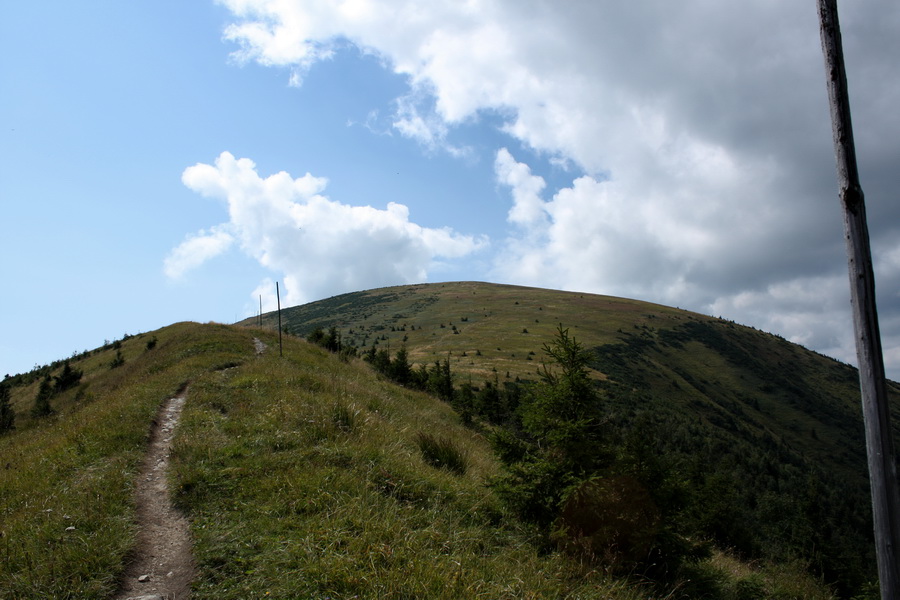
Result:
163,566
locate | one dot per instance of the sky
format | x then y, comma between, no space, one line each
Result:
163,161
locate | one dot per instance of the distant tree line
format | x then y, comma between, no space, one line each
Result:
39,372
332,341
51,385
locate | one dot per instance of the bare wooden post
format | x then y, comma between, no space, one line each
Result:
879,445
259,321
278,295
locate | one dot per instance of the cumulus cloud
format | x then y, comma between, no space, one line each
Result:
702,131
321,246
195,250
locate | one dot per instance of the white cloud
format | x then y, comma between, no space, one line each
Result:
706,144
528,208
812,311
195,250
322,247
424,127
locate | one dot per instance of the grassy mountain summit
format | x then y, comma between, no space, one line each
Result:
484,327
733,377
309,476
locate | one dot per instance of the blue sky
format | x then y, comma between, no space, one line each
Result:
166,161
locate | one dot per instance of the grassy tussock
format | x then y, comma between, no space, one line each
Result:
442,452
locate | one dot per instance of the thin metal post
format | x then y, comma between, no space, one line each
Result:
278,295
873,387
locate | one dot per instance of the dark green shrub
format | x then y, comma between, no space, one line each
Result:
610,519
533,488
7,414
508,446
118,361
701,580
68,378
42,406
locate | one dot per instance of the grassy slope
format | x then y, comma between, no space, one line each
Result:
75,469
490,318
766,409
698,364
301,476
303,479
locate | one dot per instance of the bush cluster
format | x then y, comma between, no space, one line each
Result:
51,386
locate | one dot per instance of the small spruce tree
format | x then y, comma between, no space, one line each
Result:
118,361
42,406
7,414
68,378
563,443
440,380
400,369
564,408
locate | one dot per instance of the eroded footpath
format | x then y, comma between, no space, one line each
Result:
163,566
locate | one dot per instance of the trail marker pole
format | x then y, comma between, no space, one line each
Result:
873,387
278,295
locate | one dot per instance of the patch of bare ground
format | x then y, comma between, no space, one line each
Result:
162,566
259,345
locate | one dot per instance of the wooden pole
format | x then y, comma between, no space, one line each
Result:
278,295
873,388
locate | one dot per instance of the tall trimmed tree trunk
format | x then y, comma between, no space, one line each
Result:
879,444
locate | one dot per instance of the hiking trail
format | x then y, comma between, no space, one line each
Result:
163,565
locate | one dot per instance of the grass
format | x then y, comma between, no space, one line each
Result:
66,481
442,452
302,476
310,470
729,578
736,374
489,318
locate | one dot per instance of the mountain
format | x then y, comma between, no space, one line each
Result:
310,475
731,376
769,434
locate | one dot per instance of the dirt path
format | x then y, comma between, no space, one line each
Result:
163,566
259,345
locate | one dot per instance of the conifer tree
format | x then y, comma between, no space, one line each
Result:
118,361
564,408
401,370
68,378
42,406
7,414
563,446
440,381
